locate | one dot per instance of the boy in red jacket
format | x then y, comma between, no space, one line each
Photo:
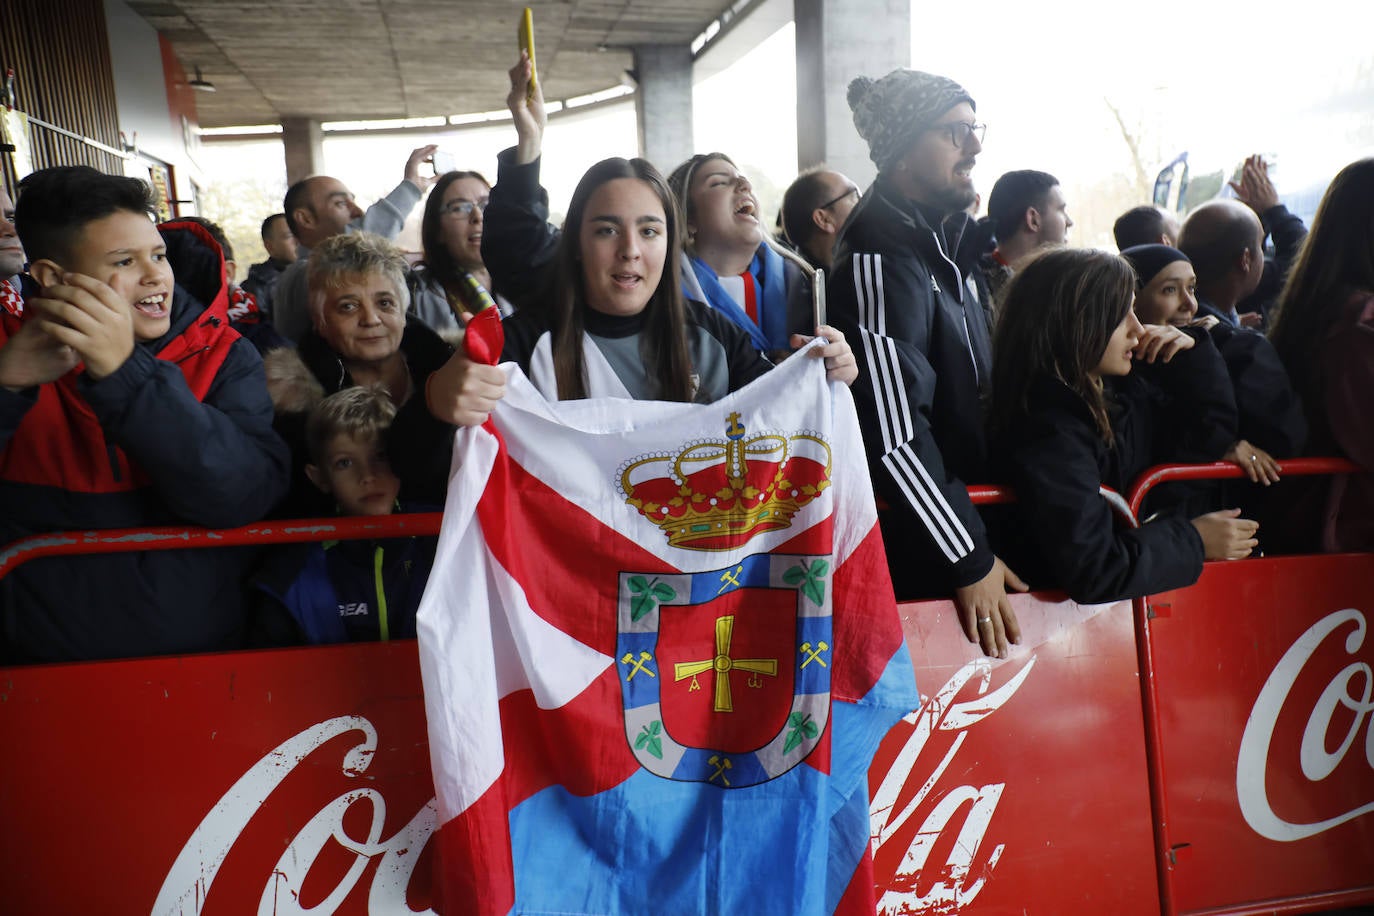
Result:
124,402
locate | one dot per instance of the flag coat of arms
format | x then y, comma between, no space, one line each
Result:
659,649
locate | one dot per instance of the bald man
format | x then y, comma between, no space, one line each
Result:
322,207
814,208
1225,241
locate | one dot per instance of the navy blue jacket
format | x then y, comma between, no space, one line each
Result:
181,434
1270,412
350,591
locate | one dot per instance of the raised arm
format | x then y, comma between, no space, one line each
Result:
517,240
387,216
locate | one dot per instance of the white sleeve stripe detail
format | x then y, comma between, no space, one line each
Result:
929,503
939,498
882,386
873,268
894,412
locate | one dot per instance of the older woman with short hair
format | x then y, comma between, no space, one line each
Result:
360,336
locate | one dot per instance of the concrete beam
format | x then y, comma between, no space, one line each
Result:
303,144
838,40
663,103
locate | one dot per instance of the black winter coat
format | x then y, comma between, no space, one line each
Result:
1055,459
918,323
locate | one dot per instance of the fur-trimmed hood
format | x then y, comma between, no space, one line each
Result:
291,384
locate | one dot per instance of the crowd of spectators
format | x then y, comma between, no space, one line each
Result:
139,386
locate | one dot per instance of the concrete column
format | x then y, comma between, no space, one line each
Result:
663,103
838,40
304,147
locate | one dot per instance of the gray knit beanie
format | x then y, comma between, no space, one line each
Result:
890,112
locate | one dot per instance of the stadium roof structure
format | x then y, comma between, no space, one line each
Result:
354,60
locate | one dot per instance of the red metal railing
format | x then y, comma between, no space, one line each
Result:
123,540
299,530
1226,470
1149,688
127,540
983,494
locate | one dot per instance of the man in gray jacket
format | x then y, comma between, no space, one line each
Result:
321,207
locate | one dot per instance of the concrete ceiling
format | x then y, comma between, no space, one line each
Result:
363,59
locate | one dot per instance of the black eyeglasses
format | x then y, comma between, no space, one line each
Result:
852,192
463,208
960,131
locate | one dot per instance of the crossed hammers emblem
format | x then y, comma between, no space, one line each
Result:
814,655
637,665
721,764
729,578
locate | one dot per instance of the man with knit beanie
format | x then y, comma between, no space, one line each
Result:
906,292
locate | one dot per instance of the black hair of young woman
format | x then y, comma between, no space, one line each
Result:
1336,260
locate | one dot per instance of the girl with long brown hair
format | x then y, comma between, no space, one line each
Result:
613,321
1071,413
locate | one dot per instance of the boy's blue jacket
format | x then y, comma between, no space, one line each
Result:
346,591
180,435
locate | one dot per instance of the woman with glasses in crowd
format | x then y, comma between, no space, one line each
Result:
452,284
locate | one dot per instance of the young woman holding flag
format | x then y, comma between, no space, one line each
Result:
612,320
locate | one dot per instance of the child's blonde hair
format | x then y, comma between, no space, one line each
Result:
361,412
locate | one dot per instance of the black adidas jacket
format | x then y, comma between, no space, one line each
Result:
915,315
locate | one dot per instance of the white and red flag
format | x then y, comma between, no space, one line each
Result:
659,648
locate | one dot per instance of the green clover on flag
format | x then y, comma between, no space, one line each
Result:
647,595
800,726
648,738
812,579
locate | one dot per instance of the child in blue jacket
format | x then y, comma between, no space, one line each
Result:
349,591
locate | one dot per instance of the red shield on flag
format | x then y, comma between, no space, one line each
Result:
727,668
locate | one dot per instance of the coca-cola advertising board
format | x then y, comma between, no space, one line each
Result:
298,780
1263,677
1021,785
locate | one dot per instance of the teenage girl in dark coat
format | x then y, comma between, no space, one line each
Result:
1086,396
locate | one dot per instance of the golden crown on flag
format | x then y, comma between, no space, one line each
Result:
718,494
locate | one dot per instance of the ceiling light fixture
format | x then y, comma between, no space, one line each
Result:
200,84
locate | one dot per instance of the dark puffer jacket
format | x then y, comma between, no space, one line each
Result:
181,434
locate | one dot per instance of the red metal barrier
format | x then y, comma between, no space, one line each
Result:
1226,470
1259,688
131,540
1169,683
300,777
